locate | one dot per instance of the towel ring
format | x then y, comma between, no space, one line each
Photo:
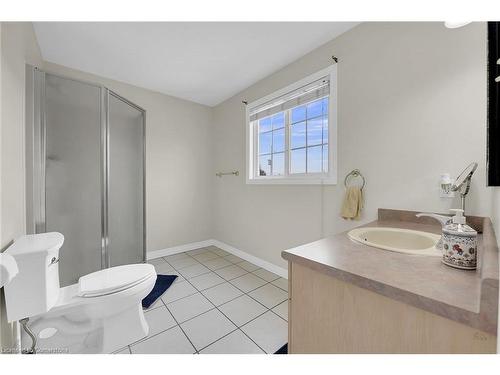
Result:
354,173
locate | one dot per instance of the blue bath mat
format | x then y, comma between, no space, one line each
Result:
282,350
163,282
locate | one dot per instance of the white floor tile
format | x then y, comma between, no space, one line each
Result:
198,251
169,258
156,261
183,262
206,328
222,293
219,252
234,343
203,257
248,266
206,281
172,341
217,263
233,258
269,295
158,320
178,291
281,283
164,268
248,282
125,350
189,307
193,271
282,310
265,274
230,272
242,309
269,331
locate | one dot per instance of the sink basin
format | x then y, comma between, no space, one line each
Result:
399,240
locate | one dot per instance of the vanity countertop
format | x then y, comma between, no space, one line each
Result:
468,297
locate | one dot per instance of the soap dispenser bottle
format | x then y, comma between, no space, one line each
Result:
459,243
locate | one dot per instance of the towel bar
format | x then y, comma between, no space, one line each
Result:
220,174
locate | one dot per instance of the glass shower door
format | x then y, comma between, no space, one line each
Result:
71,131
85,167
125,229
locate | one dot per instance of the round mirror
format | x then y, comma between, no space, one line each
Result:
464,177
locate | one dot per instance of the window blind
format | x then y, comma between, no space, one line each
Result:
305,94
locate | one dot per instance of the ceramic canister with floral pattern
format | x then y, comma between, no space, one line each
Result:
459,243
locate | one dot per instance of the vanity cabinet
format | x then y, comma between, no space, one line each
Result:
328,315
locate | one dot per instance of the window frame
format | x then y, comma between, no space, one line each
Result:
330,178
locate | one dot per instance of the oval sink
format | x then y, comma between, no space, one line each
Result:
400,240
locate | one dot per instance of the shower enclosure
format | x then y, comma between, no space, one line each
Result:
85,172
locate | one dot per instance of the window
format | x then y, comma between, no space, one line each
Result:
291,133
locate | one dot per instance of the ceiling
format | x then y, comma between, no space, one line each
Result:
203,62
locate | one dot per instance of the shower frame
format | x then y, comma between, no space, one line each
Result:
36,156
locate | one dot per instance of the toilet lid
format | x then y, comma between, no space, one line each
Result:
114,279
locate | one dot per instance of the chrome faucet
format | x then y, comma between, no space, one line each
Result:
443,220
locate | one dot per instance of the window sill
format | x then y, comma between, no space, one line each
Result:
293,181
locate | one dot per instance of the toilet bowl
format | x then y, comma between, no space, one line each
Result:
100,314
110,311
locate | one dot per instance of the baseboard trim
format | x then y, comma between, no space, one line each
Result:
252,259
177,249
283,272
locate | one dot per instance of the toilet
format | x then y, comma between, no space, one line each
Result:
102,313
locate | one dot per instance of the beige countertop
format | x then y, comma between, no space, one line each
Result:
468,297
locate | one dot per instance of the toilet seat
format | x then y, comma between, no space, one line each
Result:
114,279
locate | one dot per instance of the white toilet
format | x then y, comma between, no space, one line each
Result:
100,314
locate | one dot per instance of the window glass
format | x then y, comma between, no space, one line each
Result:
298,161
265,125
298,138
265,165
279,140
298,114
291,132
278,164
315,131
278,120
265,142
315,109
314,159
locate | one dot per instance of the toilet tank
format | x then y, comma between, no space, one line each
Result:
35,289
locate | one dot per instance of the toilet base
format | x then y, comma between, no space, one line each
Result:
127,327
72,333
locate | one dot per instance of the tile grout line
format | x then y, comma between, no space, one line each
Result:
237,327
232,264
217,307
247,294
198,291
178,324
229,281
256,317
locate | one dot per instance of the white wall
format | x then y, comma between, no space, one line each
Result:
178,163
411,105
19,46
2,298
178,158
